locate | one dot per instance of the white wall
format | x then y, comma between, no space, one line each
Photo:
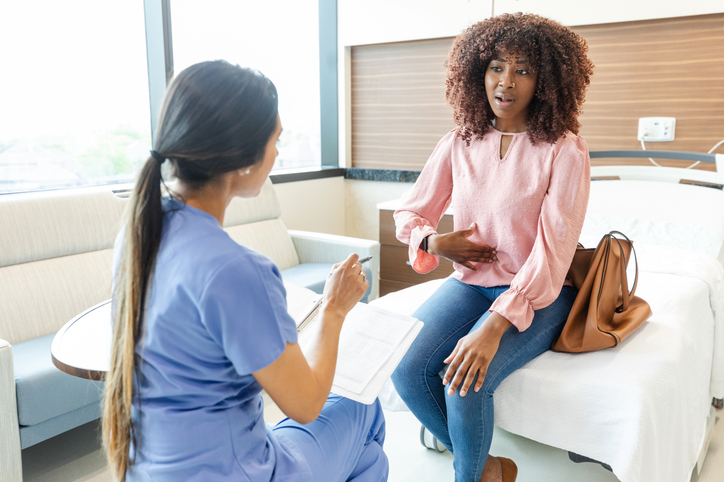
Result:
315,205
376,21
589,12
362,217
336,206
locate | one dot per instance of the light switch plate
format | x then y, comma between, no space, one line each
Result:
657,129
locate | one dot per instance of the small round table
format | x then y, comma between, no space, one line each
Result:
82,347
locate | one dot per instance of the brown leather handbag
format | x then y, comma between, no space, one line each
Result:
604,311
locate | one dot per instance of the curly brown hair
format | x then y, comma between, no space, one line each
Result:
554,53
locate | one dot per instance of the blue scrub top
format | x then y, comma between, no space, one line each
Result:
216,314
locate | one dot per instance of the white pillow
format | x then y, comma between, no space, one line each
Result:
668,214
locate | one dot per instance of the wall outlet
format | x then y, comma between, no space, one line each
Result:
657,129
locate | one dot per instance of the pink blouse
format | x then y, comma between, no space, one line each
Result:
529,206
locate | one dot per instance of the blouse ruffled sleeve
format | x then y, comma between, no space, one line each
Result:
539,281
425,204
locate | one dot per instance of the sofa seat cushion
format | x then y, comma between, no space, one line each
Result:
270,238
314,275
43,391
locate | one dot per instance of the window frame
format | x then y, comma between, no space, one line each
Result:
159,54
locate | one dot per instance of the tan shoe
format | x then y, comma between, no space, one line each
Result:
510,470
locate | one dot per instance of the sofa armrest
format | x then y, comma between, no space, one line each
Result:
330,248
10,455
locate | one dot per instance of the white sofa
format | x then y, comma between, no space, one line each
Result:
55,262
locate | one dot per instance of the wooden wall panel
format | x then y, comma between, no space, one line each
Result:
668,67
398,103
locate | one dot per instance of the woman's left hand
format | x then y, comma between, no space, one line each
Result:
473,353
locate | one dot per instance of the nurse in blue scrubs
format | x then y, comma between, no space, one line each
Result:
200,322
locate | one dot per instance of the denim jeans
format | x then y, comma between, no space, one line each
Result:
464,425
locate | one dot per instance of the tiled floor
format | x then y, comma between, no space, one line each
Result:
77,456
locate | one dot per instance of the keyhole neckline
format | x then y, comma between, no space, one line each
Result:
499,141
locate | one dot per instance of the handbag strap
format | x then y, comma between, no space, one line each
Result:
626,294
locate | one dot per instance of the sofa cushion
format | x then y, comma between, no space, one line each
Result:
43,391
252,209
314,275
269,238
44,225
38,298
33,434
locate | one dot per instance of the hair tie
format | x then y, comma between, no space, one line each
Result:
159,158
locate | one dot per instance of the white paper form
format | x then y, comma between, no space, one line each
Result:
368,339
372,343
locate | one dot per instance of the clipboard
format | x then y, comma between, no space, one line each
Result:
360,374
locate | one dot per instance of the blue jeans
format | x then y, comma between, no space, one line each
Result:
464,425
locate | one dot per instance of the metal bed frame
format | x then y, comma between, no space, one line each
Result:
661,174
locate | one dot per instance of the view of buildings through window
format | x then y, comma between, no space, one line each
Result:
74,108
74,98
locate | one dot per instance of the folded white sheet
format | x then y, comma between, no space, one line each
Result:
640,407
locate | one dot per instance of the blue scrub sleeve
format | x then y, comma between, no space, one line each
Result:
244,309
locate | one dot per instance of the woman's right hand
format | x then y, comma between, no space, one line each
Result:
299,382
458,248
346,285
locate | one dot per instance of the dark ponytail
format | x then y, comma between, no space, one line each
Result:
216,118
142,240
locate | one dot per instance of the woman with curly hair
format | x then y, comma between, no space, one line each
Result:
518,177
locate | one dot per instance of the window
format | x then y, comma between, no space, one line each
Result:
74,86
280,38
74,106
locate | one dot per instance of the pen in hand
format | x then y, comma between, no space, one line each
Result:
360,261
